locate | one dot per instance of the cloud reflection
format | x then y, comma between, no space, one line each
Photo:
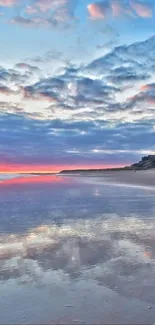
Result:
113,252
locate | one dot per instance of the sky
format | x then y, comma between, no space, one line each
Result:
77,83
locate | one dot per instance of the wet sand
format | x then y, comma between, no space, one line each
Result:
141,178
78,252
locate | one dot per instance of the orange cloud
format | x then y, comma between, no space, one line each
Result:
97,11
7,3
147,87
148,254
144,87
142,10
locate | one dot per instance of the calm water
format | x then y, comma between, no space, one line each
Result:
76,251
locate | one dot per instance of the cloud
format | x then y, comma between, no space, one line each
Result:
60,20
98,10
31,22
71,91
116,8
147,87
142,99
142,10
18,76
124,76
31,10
29,94
137,58
27,139
146,95
121,8
48,89
104,241
46,5
100,112
8,3
26,66
61,13
150,100
5,90
47,13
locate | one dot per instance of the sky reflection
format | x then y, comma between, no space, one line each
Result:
60,237
30,179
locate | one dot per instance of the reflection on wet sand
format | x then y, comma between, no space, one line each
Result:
31,180
84,254
112,252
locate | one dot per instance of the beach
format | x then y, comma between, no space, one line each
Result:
78,250
142,178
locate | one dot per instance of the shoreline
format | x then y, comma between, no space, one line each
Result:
142,178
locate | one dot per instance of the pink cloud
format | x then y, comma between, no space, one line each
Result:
97,10
50,13
7,3
147,87
119,9
142,10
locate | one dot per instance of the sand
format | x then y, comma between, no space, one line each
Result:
140,178
79,254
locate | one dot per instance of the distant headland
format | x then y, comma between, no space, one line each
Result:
146,162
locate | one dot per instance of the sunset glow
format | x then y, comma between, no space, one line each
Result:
77,84
42,169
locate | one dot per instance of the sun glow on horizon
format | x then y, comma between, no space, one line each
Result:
47,169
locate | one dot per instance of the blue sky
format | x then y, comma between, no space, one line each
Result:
76,82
